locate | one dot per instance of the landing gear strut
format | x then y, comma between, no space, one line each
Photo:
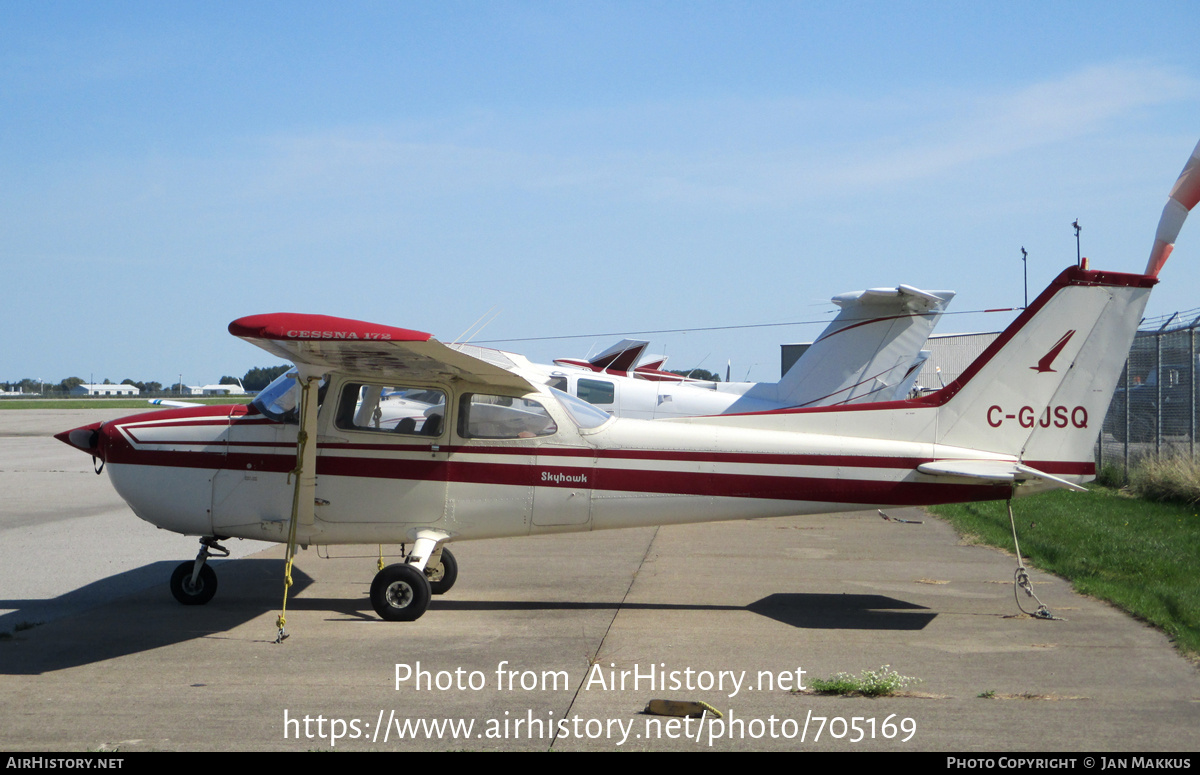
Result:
442,574
195,583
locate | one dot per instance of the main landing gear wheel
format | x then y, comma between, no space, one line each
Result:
400,593
443,575
193,593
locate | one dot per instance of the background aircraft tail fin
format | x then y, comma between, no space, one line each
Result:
869,351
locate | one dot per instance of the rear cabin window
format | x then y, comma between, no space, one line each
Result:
483,416
596,391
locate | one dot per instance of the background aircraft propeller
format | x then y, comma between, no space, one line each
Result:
1184,195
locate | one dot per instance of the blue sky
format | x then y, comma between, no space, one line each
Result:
576,168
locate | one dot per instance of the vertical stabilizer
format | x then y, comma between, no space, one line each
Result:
1040,391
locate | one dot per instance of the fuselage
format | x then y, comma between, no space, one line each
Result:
225,470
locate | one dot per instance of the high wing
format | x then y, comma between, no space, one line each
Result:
357,348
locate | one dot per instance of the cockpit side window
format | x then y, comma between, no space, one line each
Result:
482,416
407,411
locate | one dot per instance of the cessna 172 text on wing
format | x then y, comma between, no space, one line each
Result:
484,452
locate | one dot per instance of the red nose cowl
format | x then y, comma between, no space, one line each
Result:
87,438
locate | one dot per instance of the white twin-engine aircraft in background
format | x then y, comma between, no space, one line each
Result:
870,352
491,453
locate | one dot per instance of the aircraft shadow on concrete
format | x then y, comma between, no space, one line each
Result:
133,612
804,610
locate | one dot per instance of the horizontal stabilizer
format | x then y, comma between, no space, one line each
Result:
994,471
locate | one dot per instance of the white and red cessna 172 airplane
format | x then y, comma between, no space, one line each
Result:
870,352
485,452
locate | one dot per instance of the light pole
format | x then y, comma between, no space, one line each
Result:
1078,228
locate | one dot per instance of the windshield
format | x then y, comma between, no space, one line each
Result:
279,399
584,414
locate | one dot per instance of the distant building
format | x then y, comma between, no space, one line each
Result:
219,390
105,390
950,355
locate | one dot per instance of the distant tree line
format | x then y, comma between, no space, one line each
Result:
701,374
256,379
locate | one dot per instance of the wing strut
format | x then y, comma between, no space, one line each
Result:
304,483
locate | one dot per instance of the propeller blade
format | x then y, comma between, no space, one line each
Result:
1184,195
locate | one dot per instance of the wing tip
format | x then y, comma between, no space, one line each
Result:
299,327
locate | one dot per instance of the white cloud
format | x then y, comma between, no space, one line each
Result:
727,152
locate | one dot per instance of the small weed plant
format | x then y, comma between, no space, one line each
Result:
883,682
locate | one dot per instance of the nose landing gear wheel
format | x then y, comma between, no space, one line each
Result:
400,593
189,593
443,575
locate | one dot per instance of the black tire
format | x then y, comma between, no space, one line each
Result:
199,593
443,575
400,593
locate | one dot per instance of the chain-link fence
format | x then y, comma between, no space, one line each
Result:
1154,411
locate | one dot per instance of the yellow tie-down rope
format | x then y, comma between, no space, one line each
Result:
290,553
